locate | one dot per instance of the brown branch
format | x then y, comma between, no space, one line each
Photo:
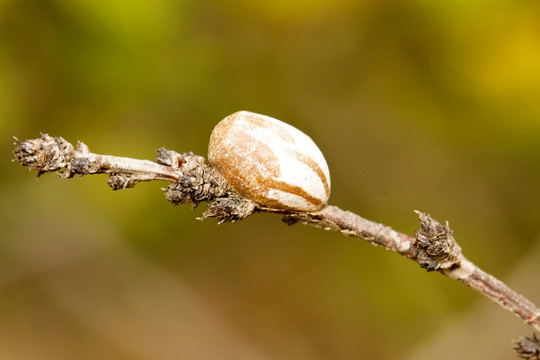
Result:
193,180
434,248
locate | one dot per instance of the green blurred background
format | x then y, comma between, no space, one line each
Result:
428,105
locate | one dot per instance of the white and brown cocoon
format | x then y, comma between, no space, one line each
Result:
270,162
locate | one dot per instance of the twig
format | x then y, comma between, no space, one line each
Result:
434,248
193,180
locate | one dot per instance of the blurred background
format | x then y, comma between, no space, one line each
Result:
428,105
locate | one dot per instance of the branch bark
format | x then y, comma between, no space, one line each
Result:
194,180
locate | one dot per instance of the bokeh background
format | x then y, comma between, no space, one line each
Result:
429,105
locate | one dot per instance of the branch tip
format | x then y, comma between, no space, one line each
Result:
45,154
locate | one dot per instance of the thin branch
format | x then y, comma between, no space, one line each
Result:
434,248
193,180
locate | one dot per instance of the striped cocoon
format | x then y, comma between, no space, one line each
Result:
270,162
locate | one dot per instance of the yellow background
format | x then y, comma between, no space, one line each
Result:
428,105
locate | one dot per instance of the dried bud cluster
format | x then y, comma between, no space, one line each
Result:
45,154
528,347
437,248
197,181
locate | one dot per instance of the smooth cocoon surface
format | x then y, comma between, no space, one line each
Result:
270,162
